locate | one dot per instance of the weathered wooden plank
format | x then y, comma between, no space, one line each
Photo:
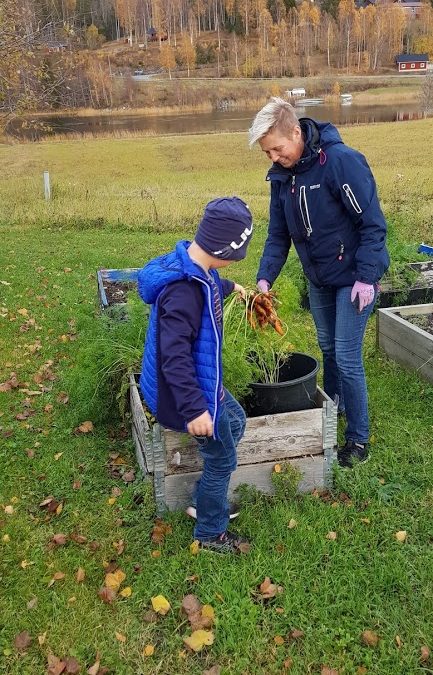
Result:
143,433
406,357
409,336
179,487
407,310
139,454
266,438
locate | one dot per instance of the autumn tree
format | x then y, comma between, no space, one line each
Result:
187,53
167,58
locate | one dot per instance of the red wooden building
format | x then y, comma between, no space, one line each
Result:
409,63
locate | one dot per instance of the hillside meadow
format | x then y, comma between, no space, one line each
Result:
72,503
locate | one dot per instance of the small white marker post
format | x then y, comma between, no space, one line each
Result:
47,186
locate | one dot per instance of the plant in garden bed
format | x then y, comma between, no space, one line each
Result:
255,344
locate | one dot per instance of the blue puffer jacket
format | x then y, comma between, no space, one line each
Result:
327,205
181,373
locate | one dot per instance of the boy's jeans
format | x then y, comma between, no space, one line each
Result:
219,462
340,332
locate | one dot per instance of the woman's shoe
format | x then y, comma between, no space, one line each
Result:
351,454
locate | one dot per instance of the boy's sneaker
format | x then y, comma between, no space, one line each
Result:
351,454
234,511
227,542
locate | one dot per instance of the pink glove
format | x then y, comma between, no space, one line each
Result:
263,285
365,293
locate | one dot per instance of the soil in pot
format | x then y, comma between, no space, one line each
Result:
295,389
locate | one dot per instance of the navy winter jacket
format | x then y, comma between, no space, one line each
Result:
327,205
181,374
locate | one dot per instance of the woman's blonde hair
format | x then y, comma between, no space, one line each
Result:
278,114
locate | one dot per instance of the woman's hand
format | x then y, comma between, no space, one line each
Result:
263,285
201,426
241,290
365,293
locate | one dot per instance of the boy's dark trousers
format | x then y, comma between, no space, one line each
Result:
219,457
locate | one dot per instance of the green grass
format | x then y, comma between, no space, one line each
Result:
333,590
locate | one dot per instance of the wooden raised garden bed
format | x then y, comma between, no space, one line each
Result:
304,438
406,342
113,286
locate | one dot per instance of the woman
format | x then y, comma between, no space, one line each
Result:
324,199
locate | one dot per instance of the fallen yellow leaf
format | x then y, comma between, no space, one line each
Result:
160,604
208,611
120,637
111,501
279,640
58,455
198,639
42,638
156,554
292,523
401,535
277,468
332,536
113,580
6,538
9,509
80,575
148,650
194,547
126,592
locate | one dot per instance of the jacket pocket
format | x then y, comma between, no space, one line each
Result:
303,207
351,197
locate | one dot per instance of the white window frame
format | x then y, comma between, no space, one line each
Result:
403,66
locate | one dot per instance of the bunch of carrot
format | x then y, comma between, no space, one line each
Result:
261,310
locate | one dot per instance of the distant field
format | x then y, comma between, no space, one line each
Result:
162,183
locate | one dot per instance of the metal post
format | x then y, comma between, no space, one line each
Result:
47,186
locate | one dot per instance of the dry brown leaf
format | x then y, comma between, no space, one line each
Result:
329,671
149,650
80,575
190,604
63,397
32,603
361,670
129,476
59,539
199,639
9,509
58,576
268,589
84,428
292,523
288,663
156,554
332,536
279,640
107,595
369,638
78,538
401,535
160,604
55,665
398,641
93,670
160,530
150,616
296,634
425,654
42,638
72,666
215,670
22,641
120,637
119,546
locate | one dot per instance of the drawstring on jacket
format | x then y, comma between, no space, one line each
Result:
322,157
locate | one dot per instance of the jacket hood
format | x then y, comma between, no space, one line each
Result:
318,136
166,269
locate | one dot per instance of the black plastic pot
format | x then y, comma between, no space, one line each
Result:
295,389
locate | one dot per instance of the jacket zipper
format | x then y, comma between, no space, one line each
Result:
303,206
349,193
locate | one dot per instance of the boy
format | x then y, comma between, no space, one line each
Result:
181,378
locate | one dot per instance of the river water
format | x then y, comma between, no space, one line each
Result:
208,122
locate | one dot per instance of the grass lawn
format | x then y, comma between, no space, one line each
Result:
116,204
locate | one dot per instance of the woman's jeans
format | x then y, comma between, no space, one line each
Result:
210,495
340,332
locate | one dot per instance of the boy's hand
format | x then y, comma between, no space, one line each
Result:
201,426
240,289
